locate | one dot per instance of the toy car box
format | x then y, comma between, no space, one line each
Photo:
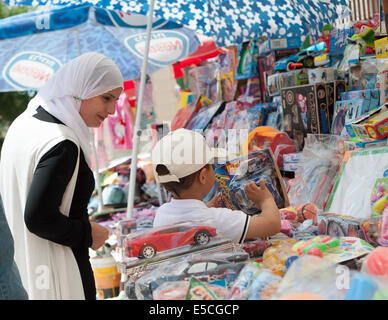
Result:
305,110
279,44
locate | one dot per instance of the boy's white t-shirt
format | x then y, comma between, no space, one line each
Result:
230,224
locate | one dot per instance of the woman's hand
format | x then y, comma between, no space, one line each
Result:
99,235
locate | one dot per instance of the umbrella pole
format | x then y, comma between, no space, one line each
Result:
139,106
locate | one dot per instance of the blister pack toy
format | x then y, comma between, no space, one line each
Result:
342,226
379,197
205,115
232,177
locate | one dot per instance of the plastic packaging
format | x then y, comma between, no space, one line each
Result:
255,248
317,170
241,286
146,244
383,239
352,191
264,286
234,175
279,258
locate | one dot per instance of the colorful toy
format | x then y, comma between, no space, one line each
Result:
361,288
366,37
325,37
377,262
279,258
264,137
379,198
147,244
383,239
232,177
299,213
316,247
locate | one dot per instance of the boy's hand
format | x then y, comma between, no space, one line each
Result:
258,195
215,202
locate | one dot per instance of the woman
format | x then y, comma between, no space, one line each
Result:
46,181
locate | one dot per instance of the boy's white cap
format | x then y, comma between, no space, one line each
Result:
183,152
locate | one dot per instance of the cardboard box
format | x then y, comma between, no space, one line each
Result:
305,111
333,93
318,75
377,124
280,44
346,112
363,143
373,124
293,78
372,95
381,47
266,64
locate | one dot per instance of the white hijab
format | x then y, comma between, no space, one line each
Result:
84,77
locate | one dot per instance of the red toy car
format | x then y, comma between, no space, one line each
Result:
145,245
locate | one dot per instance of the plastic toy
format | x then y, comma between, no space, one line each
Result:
264,286
377,262
299,213
255,248
241,286
264,137
366,36
147,244
316,246
325,37
383,239
305,57
232,177
379,198
203,269
361,288
279,258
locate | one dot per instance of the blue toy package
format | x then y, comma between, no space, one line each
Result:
205,115
371,95
232,177
346,111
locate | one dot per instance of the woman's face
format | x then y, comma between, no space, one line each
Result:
95,110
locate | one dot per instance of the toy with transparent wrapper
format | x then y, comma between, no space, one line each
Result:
232,177
279,257
241,286
264,286
168,240
317,170
177,290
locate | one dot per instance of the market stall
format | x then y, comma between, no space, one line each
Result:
305,111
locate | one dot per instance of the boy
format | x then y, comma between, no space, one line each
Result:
182,163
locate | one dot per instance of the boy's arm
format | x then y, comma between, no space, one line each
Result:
268,222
